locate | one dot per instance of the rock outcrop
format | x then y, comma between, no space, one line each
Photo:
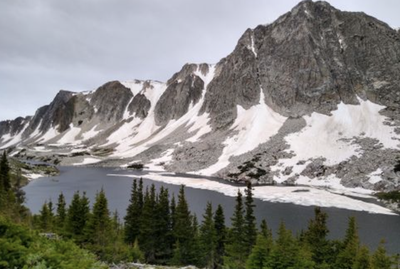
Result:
313,97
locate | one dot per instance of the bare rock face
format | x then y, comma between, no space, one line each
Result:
139,106
111,100
184,89
13,127
309,60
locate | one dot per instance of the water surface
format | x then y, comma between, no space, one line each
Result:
372,227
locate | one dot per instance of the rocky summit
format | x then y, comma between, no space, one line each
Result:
313,98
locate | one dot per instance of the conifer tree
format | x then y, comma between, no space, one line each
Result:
77,216
346,257
363,259
208,238
163,231
183,230
316,237
236,248
133,215
147,236
220,240
194,255
4,173
45,218
99,225
250,220
380,259
61,212
259,255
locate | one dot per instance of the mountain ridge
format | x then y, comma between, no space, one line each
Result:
315,74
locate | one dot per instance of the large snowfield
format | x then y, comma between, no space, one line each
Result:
306,196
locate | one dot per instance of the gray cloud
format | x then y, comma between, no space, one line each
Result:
47,45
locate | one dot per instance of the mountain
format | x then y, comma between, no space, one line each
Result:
313,98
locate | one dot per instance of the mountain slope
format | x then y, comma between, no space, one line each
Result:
313,98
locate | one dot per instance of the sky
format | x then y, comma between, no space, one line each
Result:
48,45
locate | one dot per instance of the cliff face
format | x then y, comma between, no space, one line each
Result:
313,97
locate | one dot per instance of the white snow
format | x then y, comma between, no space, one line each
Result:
137,130
134,85
147,132
33,176
254,126
157,164
323,136
251,47
70,135
15,139
297,195
200,126
88,160
91,133
333,183
41,149
51,133
375,176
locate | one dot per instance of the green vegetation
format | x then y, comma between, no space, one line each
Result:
22,247
160,230
137,166
392,196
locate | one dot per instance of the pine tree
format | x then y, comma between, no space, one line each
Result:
380,259
363,260
45,218
99,224
236,248
284,251
259,255
147,236
208,238
220,240
77,216
264,230
346,257
5,183
250,220
183,230
163,230
61,213
316,237
194,256
133,215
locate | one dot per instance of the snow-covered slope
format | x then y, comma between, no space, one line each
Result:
315,104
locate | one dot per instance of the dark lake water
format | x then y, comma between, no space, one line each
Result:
372,227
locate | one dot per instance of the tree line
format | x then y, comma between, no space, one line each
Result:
159,229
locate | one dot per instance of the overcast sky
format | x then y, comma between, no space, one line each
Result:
48,45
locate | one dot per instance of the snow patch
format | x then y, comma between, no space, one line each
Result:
157,164
15,139
91,133
70,135
51,133
33,176
254,127
297,195
200,126
87,161
145,130
325,136
251,46
375,176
